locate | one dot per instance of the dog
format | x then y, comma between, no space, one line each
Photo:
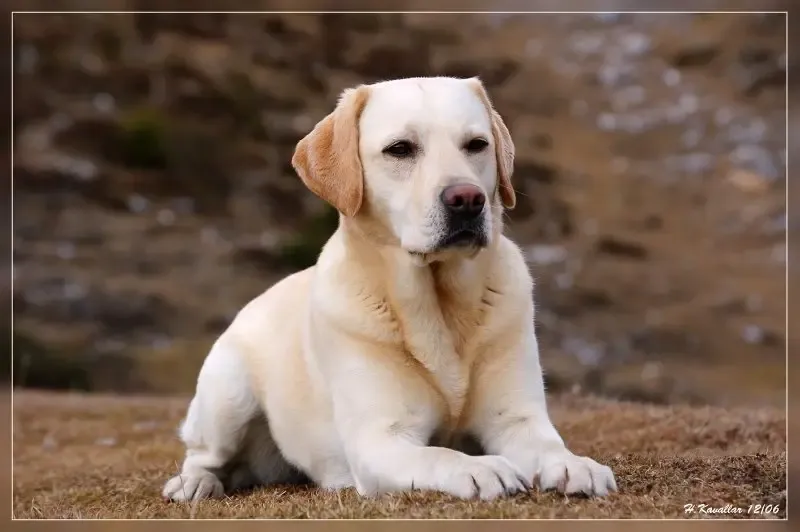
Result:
413,334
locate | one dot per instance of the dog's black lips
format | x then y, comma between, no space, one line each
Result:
463,238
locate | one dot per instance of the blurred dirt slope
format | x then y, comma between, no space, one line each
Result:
154,194
95,456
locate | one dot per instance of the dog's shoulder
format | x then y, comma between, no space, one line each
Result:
343,270
348,287
509,271
279,304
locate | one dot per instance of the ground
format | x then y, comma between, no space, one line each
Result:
96,456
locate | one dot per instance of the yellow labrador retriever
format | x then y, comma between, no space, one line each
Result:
414,331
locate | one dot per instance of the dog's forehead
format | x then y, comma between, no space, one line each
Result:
418,102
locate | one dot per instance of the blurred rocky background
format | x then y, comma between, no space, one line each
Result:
154,196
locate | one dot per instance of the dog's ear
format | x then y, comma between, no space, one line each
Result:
327,159
504,147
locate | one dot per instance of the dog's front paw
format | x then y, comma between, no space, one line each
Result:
487,477
182,488
563,471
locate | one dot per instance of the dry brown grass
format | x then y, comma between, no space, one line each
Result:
90,456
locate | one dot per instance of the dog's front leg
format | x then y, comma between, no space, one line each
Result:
511,420
385,414
387,458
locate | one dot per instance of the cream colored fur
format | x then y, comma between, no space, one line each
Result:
369,368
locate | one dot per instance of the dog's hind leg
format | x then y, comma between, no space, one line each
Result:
261,463
216,425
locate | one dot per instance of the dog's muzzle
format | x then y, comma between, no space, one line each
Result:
463,212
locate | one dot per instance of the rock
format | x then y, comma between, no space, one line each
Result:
390,61
651,371
166,217
183,205
671,77
763,77
607,122
543,141
27,60
614,246
587,43
757,160
697,54
137,203
730,304
779,254
200,25
723,116
636,44
691,138
146,426
776,224
614,75
748,181
689,103
256,256
66,251
756,335
161,343
657,341
652,222
546,254
565,280
491,75
104,103
754,55
593,298
57,300
588,353
760,68
628,97
696,163
579,107
217,324
536,171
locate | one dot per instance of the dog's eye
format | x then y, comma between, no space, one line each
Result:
401,148
476,145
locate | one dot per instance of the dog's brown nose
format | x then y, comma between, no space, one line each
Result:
464,201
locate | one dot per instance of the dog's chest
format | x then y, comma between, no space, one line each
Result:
443,331
462,320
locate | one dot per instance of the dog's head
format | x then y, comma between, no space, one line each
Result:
421,163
